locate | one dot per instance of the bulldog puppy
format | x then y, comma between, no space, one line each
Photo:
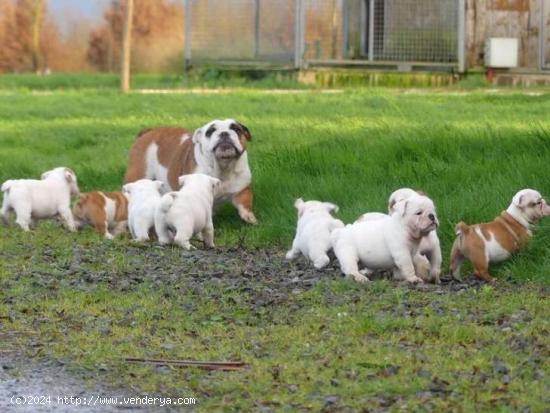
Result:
188,211
315,223
143,197
39,199
387,243
217,149
427,262
495,241
105,211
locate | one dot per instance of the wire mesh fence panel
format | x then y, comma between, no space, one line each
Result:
323,29
412,30
242,30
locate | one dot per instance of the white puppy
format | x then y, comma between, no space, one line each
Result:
188,211
427,262
387,243
144,195
315,223
38,199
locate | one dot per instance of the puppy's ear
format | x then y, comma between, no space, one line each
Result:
519,200
69,175
391,204
161,187
45,175
401,207
299,205
332,208
216,183
126,189
181,180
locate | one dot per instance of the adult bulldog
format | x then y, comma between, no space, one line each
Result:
217,149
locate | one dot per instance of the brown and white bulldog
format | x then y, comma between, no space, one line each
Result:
495,241
217,149
103,210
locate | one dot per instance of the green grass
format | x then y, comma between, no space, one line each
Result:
470,153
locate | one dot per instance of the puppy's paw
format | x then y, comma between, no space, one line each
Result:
415,280
108,235
248,217
322,262
360,278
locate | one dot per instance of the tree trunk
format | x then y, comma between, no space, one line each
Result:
37,10
126,45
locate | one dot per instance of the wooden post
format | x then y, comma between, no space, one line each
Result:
126,46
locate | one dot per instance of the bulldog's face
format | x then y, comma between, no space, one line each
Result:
66,174
531,204
314,206
223,139
145,185
418,214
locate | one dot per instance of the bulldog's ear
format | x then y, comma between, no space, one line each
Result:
197,135
391,205
241,130
45,175
331,208
519,200
246,132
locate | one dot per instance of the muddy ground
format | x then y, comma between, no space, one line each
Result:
260,277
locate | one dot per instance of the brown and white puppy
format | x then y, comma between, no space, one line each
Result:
495,241
105,211
217,149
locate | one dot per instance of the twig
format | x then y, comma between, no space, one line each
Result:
208,365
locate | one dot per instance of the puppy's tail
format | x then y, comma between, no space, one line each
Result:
167,201
462,229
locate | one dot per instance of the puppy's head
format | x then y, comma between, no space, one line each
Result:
145,185
531,204
224,139
400,195
202,181
64,174
314,206
418,215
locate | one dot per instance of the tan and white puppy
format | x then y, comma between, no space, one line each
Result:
495,241
39,199
217,149
427,262
105,211
387,243
188,211
143,197
315,223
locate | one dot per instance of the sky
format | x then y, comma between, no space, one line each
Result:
92,10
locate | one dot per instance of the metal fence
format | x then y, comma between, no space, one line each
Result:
315,32
545,35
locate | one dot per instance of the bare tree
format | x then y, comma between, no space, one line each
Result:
126,46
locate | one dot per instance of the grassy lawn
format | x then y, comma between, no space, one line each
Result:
312,340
